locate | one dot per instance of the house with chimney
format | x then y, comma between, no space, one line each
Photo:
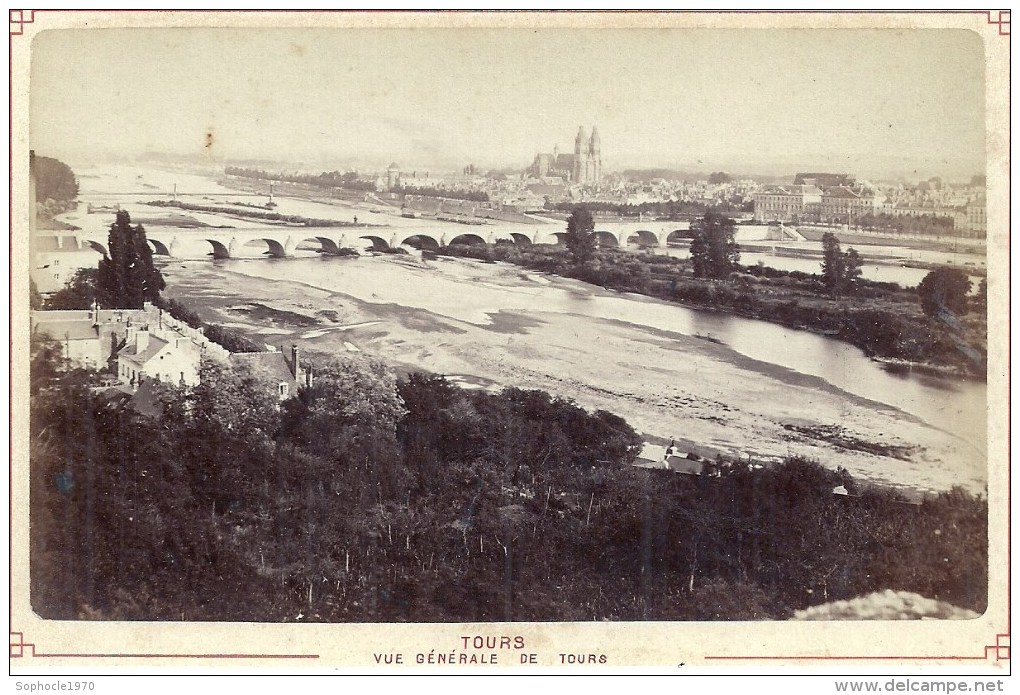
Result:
285,374
135,344
83,336
152,353
143,345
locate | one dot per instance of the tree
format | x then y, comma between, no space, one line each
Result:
714,253
348,419
944,288
580,238
78,293
45,360
35,300
127,277
840,271
54,181
699,255
239,400
832,263
350,401
852,264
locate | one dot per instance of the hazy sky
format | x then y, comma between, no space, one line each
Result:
872,102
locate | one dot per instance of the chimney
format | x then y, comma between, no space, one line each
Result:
294,364
141,339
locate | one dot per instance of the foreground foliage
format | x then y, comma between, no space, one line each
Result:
368,499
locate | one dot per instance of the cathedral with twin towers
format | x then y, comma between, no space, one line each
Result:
583,167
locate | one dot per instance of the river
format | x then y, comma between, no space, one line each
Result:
123,184
714,382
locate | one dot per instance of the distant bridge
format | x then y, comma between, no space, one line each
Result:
285,241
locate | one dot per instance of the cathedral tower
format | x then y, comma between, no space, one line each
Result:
580,156
595,156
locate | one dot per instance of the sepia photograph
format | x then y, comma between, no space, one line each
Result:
496,341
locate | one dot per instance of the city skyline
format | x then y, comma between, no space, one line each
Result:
878,103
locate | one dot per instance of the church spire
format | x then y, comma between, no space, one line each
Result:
580,141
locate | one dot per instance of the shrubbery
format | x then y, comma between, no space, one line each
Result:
233,341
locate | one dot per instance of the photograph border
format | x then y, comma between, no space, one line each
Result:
978,646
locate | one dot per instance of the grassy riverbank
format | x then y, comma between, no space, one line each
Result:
883,319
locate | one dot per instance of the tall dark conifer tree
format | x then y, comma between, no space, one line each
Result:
127,277
832,263
580,237
714,252
840,270
699,255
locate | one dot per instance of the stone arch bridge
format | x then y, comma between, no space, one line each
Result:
285,241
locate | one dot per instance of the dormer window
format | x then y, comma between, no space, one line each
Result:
284,389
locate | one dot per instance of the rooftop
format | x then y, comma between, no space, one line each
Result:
150,350
65,328
272,364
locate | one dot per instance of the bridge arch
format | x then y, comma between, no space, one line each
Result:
466,238
378,243
158,247
678,235
327,246
522,239
607,238
95,245
218,249
274,247
643,237
420,242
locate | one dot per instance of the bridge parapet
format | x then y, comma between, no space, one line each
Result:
284,241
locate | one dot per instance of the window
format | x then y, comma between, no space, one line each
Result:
283,389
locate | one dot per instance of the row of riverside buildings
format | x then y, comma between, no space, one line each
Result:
838,199
143,346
